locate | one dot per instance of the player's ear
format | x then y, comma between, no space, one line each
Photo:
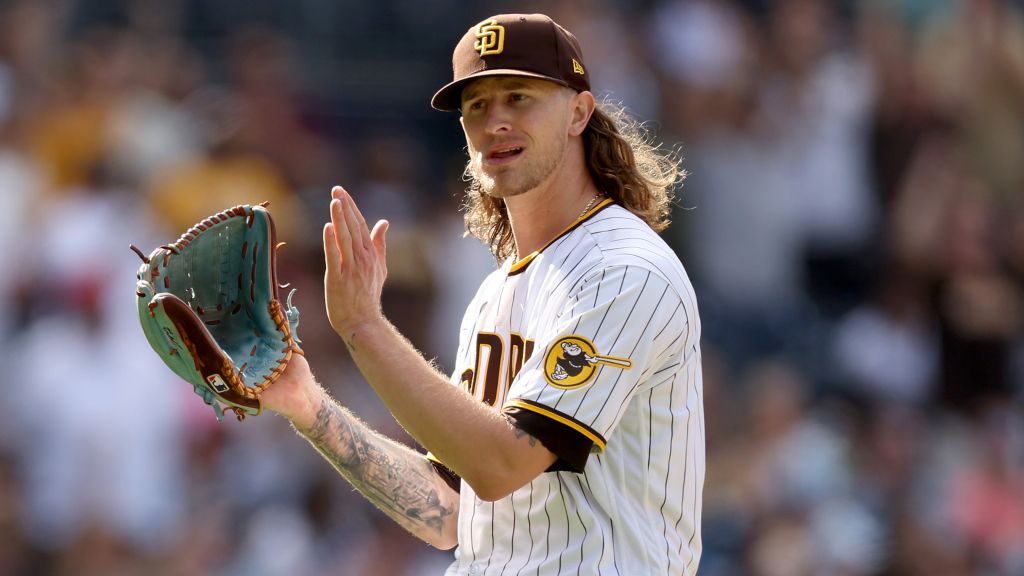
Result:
583,105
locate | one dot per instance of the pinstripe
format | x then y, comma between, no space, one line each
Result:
632,352
575,298
693,383
696,512
656,308
686,469
583,524
511,549
597,415
565,507
679,305
611,305
576,327
547,537
625,405
472,517
650,446
569,252
600,324
611,218
512,306
490,556
568,274
502,387
599,460
617,336
607,230
654,265
633,243
600,533
611,530
669,367
584,278
674,340
529,531
650,425
540,391
668,471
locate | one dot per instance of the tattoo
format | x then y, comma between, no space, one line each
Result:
351,342
393,477
519,432
323,420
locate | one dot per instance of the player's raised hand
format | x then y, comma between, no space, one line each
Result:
356,265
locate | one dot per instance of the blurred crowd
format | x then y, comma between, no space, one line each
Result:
853,221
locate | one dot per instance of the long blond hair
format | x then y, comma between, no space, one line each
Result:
624,162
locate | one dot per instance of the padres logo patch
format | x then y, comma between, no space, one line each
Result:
490,38
572,361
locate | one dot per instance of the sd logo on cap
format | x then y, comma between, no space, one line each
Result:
531,45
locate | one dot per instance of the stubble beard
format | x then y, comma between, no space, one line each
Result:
515,181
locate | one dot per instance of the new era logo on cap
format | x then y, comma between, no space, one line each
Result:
530,45
490,38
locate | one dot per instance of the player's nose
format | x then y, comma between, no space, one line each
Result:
497,119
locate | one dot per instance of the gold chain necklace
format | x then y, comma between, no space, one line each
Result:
590,205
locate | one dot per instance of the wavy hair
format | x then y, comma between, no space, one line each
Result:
625,163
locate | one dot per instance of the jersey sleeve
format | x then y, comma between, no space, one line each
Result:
609,340
453,480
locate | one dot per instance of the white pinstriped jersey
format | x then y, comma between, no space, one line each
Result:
591,345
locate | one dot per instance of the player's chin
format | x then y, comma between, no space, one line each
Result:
507,183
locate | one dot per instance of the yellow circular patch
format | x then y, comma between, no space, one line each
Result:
568,363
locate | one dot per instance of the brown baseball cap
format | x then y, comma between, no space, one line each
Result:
531,45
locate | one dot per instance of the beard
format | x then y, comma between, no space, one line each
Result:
517,180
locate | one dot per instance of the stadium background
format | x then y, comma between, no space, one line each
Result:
853,222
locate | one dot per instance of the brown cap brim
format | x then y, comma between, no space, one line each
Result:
449,97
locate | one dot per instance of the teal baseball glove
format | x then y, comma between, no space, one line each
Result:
209,306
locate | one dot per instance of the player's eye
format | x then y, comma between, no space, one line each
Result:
473,106
517,97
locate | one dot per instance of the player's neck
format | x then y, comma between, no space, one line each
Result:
541,214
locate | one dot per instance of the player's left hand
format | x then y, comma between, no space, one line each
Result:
356,265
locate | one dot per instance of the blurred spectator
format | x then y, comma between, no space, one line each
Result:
457,266
972,63
700,48
794,460
620,70
264,74
151,128
818,94
988,497
67,139
228,175
886,350
979,307
13,547
76,386
742,231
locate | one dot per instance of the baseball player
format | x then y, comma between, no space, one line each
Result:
570,438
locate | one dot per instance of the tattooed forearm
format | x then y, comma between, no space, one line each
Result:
396,479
